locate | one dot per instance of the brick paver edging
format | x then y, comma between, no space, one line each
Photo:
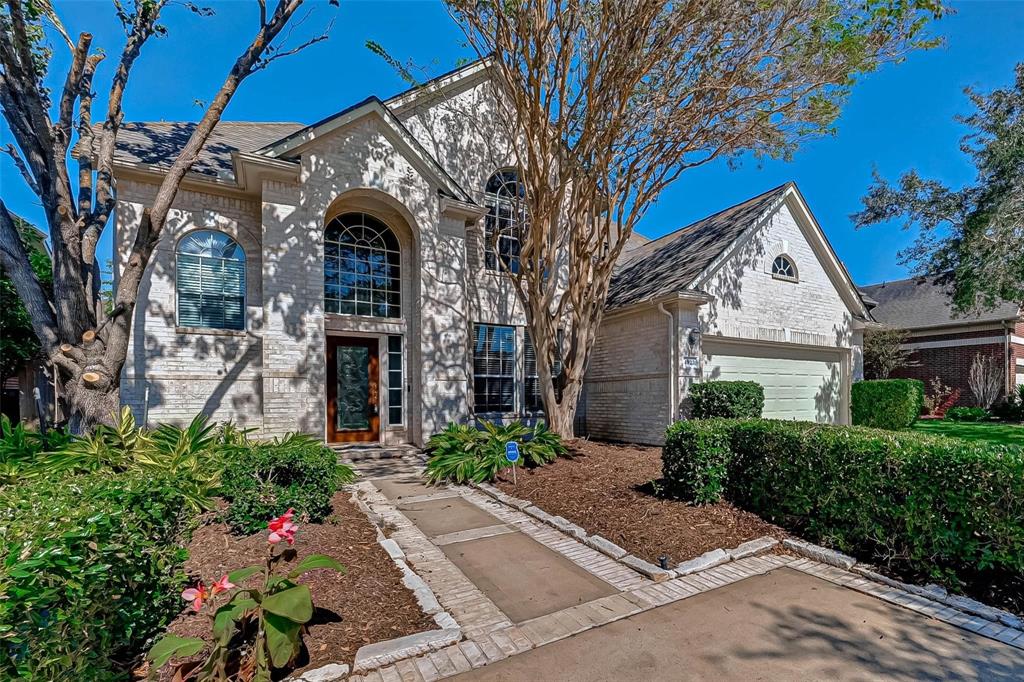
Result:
705,561
391,651
926,604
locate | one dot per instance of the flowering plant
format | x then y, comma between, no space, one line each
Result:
269,619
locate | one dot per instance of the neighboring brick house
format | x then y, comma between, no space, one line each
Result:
944,343
336,279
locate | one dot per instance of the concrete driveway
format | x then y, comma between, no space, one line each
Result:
785,625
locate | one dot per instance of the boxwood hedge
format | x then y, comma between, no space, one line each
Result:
887,403
729,399
944,508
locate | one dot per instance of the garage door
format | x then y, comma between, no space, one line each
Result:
798,384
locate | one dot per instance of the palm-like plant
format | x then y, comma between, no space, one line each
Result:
462,453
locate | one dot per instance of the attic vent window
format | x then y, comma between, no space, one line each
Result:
783,268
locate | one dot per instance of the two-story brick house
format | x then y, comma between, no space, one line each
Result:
342,279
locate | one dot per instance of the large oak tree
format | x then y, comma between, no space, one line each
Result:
67,159
611,101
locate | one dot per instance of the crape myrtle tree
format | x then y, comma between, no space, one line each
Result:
611,101
66,158
972,238
885,351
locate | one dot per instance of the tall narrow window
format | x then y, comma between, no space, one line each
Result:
362,267
494,362
395,383
533,401
506,218
210,281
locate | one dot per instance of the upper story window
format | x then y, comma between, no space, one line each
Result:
210,281
362,267
506,217
783,268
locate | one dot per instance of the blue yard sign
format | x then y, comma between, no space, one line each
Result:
512,455
512,451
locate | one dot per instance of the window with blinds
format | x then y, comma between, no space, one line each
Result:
210,281
494,362
532,401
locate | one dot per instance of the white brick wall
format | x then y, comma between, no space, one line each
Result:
184,373
627,383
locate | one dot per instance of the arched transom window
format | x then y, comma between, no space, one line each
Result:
362,267
783,268
506,218
210,281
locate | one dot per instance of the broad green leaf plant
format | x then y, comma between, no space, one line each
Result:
255,629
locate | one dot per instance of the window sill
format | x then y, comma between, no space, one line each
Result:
209,331
783,278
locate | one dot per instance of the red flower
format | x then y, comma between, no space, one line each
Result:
222,585
282,528
197,595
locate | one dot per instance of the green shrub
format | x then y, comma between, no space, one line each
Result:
967,414
944,508
728,399
887,403
695,460
464,453
22,451
262,480
91,569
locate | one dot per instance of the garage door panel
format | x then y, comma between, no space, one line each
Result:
798,383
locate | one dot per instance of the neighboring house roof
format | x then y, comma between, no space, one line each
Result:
920,302
671,263
158,143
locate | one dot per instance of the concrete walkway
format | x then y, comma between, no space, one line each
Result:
785,625
535,604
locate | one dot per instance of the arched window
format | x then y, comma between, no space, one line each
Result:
210,281
362,267
506,218
783,268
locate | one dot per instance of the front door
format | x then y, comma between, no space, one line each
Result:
353,392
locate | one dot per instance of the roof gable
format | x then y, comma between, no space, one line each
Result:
673,262
687,259
293,144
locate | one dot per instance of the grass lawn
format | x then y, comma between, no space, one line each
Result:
993,432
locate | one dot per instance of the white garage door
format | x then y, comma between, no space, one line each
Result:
798,384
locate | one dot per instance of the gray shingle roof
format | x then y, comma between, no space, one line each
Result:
924,302
671,263
158,143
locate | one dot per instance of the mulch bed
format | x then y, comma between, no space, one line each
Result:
614,491
367,604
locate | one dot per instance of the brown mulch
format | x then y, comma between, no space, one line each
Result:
614,491
367,604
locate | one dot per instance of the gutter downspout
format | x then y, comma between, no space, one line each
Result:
673,382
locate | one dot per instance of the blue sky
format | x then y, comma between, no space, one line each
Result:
899,117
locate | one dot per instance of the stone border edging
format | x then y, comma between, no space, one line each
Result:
717,557
379,654
932,592
611,550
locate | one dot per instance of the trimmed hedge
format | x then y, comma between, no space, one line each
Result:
728,399
945,508
264,479
91,569
887,403
967,414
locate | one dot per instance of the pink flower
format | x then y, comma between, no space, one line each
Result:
197,595
282,528
222,585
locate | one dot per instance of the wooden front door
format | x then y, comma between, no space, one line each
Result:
353,391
